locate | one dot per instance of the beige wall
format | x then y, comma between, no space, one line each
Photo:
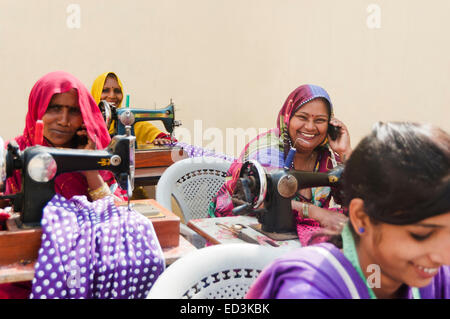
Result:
231,63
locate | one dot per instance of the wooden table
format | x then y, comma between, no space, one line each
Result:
151,161
19,248
17,272
215,234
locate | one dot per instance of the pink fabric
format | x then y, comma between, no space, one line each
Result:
67,184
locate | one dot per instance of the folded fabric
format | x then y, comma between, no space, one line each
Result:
95,250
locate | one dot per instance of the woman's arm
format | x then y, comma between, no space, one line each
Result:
326,218
97,187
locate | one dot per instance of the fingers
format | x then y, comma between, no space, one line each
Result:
334,121
161,141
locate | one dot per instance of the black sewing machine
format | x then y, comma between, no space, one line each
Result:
40,165
275,190
128,117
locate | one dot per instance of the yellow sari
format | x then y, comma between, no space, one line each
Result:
145,132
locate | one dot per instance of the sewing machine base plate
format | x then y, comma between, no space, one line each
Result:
275,236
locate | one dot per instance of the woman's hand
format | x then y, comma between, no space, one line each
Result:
328,219
161,141
82,134
93,178
342,144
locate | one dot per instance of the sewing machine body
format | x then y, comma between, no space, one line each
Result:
40,166
276,189
129,116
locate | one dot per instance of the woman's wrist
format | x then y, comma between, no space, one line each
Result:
314,212
100,192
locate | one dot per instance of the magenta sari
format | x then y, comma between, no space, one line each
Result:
67,184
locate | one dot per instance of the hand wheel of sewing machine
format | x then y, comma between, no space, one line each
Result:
251,188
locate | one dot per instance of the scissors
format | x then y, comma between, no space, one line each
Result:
236,229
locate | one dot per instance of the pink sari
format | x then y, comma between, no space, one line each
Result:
67,184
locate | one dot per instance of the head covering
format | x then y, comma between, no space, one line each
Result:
61,82
144,131
67,184
271,148
97,89
99,83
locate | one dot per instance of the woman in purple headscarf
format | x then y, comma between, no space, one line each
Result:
397,242
304,123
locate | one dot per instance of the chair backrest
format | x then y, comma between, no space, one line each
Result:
215,272
193,182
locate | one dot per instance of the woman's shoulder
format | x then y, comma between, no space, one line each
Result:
317,271
439,288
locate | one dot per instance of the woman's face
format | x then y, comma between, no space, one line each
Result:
410,254
309,125
62,118
112,92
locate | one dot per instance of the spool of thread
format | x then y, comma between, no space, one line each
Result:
290,158
39,133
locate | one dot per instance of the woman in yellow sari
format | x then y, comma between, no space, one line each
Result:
108,86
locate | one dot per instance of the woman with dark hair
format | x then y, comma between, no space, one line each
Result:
397,242
303,125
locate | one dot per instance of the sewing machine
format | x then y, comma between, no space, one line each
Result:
151,160
40,165
128,117
269,194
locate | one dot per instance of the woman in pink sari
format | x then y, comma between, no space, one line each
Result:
71,119
303,125
68,113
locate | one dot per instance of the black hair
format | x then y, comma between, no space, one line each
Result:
402,173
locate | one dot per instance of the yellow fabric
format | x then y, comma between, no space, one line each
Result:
144,131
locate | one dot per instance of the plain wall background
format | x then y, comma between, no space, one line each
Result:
232,63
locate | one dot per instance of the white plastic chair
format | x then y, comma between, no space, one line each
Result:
214,272
193,182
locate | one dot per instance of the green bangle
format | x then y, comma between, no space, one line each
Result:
305,210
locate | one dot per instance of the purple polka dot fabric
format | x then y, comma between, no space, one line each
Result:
196,151
95,250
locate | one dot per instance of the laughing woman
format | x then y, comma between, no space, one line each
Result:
397,242
304,122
